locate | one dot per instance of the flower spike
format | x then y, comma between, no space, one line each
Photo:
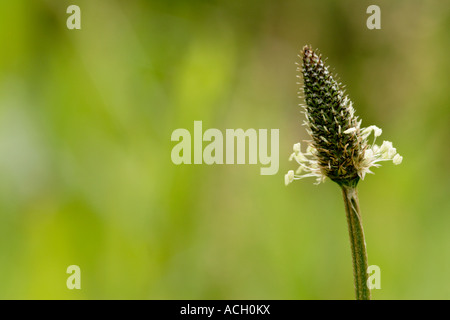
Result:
340,149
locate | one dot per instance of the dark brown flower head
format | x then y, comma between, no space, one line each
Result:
339,148
329,114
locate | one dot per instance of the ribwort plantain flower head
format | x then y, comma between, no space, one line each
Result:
340,149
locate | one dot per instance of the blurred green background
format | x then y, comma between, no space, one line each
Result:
86,176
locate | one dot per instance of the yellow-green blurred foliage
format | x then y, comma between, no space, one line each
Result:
86,176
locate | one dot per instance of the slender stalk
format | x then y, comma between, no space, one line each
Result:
357,242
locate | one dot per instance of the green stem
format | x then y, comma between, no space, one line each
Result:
357,242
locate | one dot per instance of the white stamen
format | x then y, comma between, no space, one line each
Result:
397,159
